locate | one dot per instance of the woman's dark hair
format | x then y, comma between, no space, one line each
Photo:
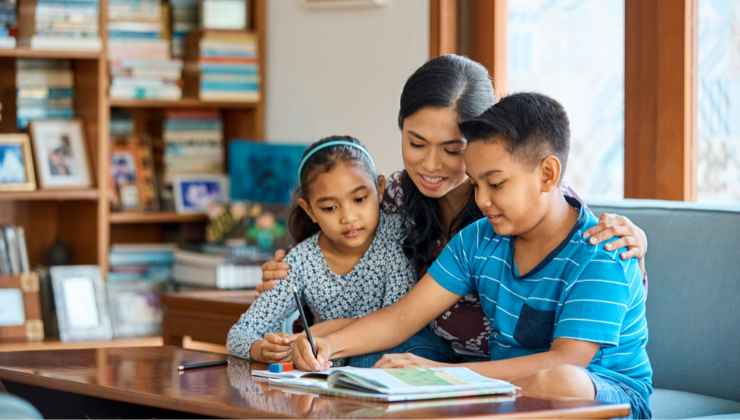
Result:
448,81
300,224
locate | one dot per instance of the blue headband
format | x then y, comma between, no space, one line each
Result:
331,144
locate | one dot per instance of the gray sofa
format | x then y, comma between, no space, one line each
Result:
693,305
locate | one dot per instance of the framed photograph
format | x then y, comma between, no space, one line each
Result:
61,156
263,172
135,308
79,298
16,164
132,176
20,308
194,193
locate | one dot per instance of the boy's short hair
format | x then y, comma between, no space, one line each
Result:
531,124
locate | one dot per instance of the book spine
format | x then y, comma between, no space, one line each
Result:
25,265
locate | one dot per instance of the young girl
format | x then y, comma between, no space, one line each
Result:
348,261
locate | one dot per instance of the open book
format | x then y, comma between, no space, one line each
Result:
391,384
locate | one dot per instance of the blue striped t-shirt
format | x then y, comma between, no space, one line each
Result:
580,291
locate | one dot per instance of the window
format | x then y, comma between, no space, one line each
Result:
718,85
574,51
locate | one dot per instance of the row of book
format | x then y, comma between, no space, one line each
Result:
54,24
193,143
223,65
44,89
206,266
13,250
139,51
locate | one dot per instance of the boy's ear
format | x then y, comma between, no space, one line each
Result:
381,183
307,208
550,169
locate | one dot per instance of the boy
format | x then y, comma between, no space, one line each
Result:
568,318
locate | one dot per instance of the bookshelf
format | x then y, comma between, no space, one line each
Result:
84,218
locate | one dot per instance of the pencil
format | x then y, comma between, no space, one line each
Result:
298,302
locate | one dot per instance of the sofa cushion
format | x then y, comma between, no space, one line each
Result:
668,404
693,263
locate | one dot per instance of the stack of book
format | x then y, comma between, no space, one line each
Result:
220,270
139,52
184,21
54,24
7,23
138,273
44,90
193,143
223,65
13,251
143,262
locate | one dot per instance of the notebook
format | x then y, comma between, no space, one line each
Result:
390,385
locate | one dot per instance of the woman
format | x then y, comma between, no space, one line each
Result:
436,200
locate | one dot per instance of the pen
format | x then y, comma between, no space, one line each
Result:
305,322
196,365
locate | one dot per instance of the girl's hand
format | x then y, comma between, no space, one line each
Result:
401,360
630,235
273,348
273,271
303,358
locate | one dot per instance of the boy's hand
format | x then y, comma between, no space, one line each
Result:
273,348
402,360
303,358
273,271
630,235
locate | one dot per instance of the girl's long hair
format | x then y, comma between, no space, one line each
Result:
448,81
300,224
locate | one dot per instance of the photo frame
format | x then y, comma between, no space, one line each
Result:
16,163
61,154
132,176
135,308
194,193
20,308
263,172
80,301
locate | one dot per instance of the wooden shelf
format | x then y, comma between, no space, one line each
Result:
50,195
24,52
180,103
155,217
60,345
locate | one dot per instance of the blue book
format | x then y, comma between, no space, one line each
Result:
229,86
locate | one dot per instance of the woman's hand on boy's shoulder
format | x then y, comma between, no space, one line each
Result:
273,271
628,235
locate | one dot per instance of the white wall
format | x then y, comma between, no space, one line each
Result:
340,71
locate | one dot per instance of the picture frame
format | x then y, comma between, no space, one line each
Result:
16,163
135,308
61,154
194,193
132,176
20,308
80,301
263,172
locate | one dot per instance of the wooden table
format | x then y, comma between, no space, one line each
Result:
202,315
144,382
